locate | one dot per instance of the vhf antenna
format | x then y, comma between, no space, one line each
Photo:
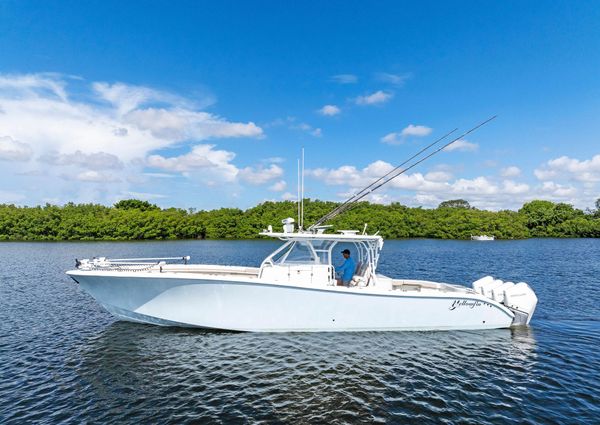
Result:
300,199
301,224
397,171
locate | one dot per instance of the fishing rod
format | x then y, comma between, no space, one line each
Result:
365,189
389,177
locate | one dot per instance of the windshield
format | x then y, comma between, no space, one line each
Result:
300,253
305,252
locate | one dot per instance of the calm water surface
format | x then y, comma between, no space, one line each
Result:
64,360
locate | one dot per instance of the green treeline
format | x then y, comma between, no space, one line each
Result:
137,220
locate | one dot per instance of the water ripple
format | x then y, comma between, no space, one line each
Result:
64,360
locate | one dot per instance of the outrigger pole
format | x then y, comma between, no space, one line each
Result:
348,203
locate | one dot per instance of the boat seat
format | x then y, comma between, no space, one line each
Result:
361,276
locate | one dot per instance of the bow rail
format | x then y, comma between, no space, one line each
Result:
125,264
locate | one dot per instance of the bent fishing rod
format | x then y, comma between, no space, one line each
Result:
391,175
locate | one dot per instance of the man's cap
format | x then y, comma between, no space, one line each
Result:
346,251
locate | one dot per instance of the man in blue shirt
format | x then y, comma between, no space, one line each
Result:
346,270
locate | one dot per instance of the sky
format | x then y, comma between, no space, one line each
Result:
208,104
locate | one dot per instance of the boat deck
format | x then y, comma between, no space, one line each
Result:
214,270
402,285
407,285
383,283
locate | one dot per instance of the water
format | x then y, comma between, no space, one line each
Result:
64,360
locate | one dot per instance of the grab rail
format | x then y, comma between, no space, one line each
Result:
185,258
125,264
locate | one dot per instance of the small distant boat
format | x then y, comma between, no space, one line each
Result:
482,238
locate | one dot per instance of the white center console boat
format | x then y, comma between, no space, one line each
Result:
295,287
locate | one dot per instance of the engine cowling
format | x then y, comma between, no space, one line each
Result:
519,298
522,301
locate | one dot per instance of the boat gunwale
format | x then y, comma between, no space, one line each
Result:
341,290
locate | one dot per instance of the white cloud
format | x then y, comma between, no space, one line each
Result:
439,184
302,126
200,157
13,150
438,176
120,131
462,146
329,110
392,138
378,168
144,196
287,196
375,98
179,124
160,175
511,171
476,186
216,167
587,171
557,190
417,181
127,97
416,130
49,121
345,78
427,199
346,175
397,138
355,178
29,85
260,175
92,161
431,188
316,132
542,174
279,186
94,177
513,188
73,127
428,190
394,79
293,124
378,198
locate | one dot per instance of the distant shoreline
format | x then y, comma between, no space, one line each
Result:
134,220
76,241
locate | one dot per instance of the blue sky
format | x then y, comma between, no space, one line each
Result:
198,104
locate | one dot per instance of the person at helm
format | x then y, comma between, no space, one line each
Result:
346,270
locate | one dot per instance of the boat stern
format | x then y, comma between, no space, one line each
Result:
519,297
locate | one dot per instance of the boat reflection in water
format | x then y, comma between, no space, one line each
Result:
317,377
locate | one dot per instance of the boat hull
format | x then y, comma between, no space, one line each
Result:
263,307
